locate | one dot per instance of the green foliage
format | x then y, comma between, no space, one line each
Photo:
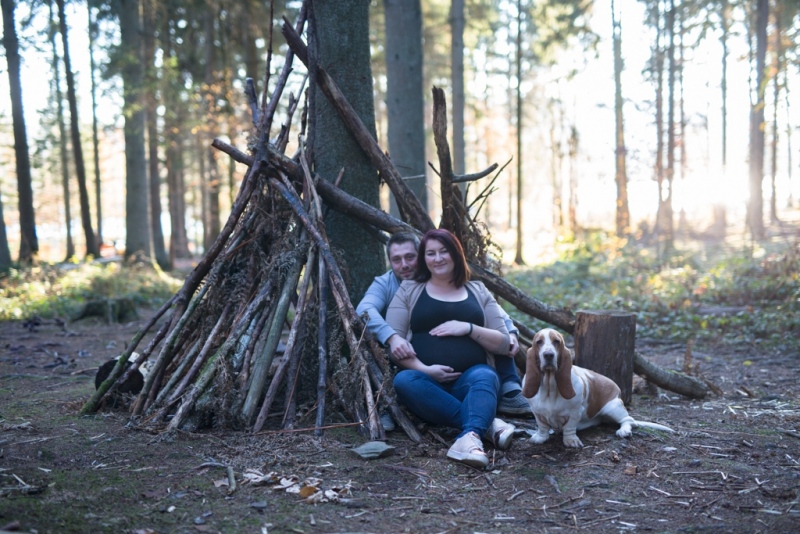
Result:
720,295
60,290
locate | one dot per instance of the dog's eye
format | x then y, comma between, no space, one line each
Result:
539,341
556,342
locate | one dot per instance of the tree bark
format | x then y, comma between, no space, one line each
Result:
5,252
404,95
621,177
457,24
755,206
29,243
149,14
137,218
62,139
347,61
605,343
77,149
95,139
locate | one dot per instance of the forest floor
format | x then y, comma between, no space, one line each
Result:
733,464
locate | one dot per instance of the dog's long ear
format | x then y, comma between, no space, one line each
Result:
564,372
533,377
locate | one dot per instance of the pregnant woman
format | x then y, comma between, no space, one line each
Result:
453,326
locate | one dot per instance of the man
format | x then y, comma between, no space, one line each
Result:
401,250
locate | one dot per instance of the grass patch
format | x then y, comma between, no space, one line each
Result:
670,294
50,290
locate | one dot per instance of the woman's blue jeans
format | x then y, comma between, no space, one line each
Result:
468,403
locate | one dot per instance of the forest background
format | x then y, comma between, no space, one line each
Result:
696,106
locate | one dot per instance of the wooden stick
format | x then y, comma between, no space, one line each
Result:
322,346
91,405
259,373
299,317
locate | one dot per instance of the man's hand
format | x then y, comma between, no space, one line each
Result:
401,349
514,344
441,373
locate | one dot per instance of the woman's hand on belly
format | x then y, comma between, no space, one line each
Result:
441,373
451,328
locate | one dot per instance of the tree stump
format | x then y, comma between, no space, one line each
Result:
605,343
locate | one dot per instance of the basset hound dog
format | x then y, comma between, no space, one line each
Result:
569,398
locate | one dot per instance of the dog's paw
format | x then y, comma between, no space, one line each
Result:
539,438
572,442
624,431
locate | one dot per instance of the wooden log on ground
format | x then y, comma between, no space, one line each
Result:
605,343
674,381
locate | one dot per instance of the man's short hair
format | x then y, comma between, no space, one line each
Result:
402,237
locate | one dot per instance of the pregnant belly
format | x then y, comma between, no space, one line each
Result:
458,352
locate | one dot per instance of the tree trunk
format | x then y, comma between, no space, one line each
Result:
137,217
77,150
572,202
62,138
176,191
667,230
404,95
29,243
621,176
457,23
518,251
347,61
95,139
658,60
212,175
776,92
5,252
755,206
605,343
149,13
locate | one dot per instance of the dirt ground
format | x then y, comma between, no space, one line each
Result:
732,466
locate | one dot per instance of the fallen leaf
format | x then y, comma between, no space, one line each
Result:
631,470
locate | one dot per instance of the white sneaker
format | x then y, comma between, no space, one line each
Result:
500,434
468,449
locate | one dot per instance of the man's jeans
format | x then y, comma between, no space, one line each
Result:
468,403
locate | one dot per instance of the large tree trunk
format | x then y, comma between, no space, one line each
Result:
341,47
77,149
62,138
137,217
149,14
621,176
29,243
404,95
755,206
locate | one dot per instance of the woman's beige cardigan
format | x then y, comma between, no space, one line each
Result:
398,316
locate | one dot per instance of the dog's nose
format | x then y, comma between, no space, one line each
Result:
549,355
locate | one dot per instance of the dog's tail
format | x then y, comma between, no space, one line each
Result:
648,424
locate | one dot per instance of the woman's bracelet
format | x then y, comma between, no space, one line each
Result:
470,330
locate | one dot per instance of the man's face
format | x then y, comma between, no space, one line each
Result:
403,257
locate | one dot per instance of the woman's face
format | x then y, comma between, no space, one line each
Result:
438,260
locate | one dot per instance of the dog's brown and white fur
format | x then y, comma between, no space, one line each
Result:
569,398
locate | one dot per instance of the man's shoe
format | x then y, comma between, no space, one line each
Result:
468,449
516,405
500,434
